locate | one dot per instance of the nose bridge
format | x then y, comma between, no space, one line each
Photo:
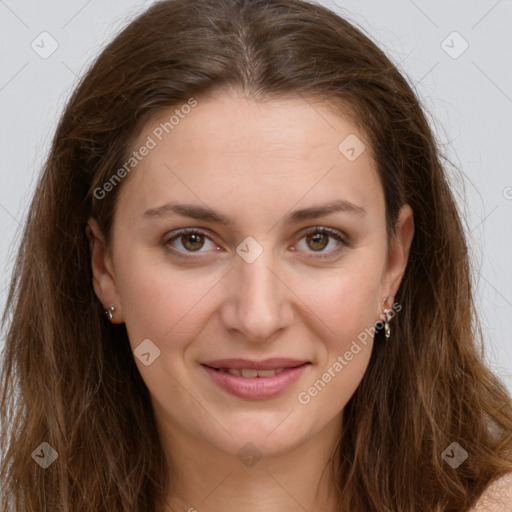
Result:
260,303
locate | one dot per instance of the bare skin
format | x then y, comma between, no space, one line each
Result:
301,298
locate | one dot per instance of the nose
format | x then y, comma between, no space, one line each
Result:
259,302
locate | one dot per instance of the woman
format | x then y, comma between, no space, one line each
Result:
244,285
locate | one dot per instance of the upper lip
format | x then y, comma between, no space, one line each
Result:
250,364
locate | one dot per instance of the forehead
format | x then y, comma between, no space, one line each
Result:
228,124
268,154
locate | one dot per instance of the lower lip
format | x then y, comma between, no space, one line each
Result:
257,388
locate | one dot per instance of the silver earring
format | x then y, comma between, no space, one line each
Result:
387,330
386,317
110,312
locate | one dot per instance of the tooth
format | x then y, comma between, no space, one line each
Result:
249,373
266,373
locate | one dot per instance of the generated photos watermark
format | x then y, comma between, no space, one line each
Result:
136,157
305,397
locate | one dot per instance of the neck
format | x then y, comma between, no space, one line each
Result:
205,479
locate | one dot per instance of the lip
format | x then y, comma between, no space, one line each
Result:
257,388
266,364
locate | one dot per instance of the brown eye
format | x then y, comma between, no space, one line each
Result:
188,241
192,241
318,238
317,241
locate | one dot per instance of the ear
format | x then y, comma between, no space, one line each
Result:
103,276
398,253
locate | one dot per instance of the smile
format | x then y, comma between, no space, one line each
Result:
248,373
256,383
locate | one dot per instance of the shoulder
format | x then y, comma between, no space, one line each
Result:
497,497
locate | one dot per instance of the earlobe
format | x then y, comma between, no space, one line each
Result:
103,277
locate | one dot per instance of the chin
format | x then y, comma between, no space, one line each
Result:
267,432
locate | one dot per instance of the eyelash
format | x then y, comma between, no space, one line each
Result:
323,230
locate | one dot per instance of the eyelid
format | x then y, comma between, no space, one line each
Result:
332,233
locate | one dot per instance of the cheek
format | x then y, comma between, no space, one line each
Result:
345,301
345,306
159,302
334,384
350,315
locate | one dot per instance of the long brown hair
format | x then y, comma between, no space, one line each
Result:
69,378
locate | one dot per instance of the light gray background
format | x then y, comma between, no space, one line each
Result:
469,99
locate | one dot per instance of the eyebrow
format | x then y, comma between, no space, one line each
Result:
208,215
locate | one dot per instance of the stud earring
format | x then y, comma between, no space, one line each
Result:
110,312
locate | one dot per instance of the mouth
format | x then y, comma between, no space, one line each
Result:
255,379
247,373
274,363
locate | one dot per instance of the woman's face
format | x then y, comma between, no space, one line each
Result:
266,284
